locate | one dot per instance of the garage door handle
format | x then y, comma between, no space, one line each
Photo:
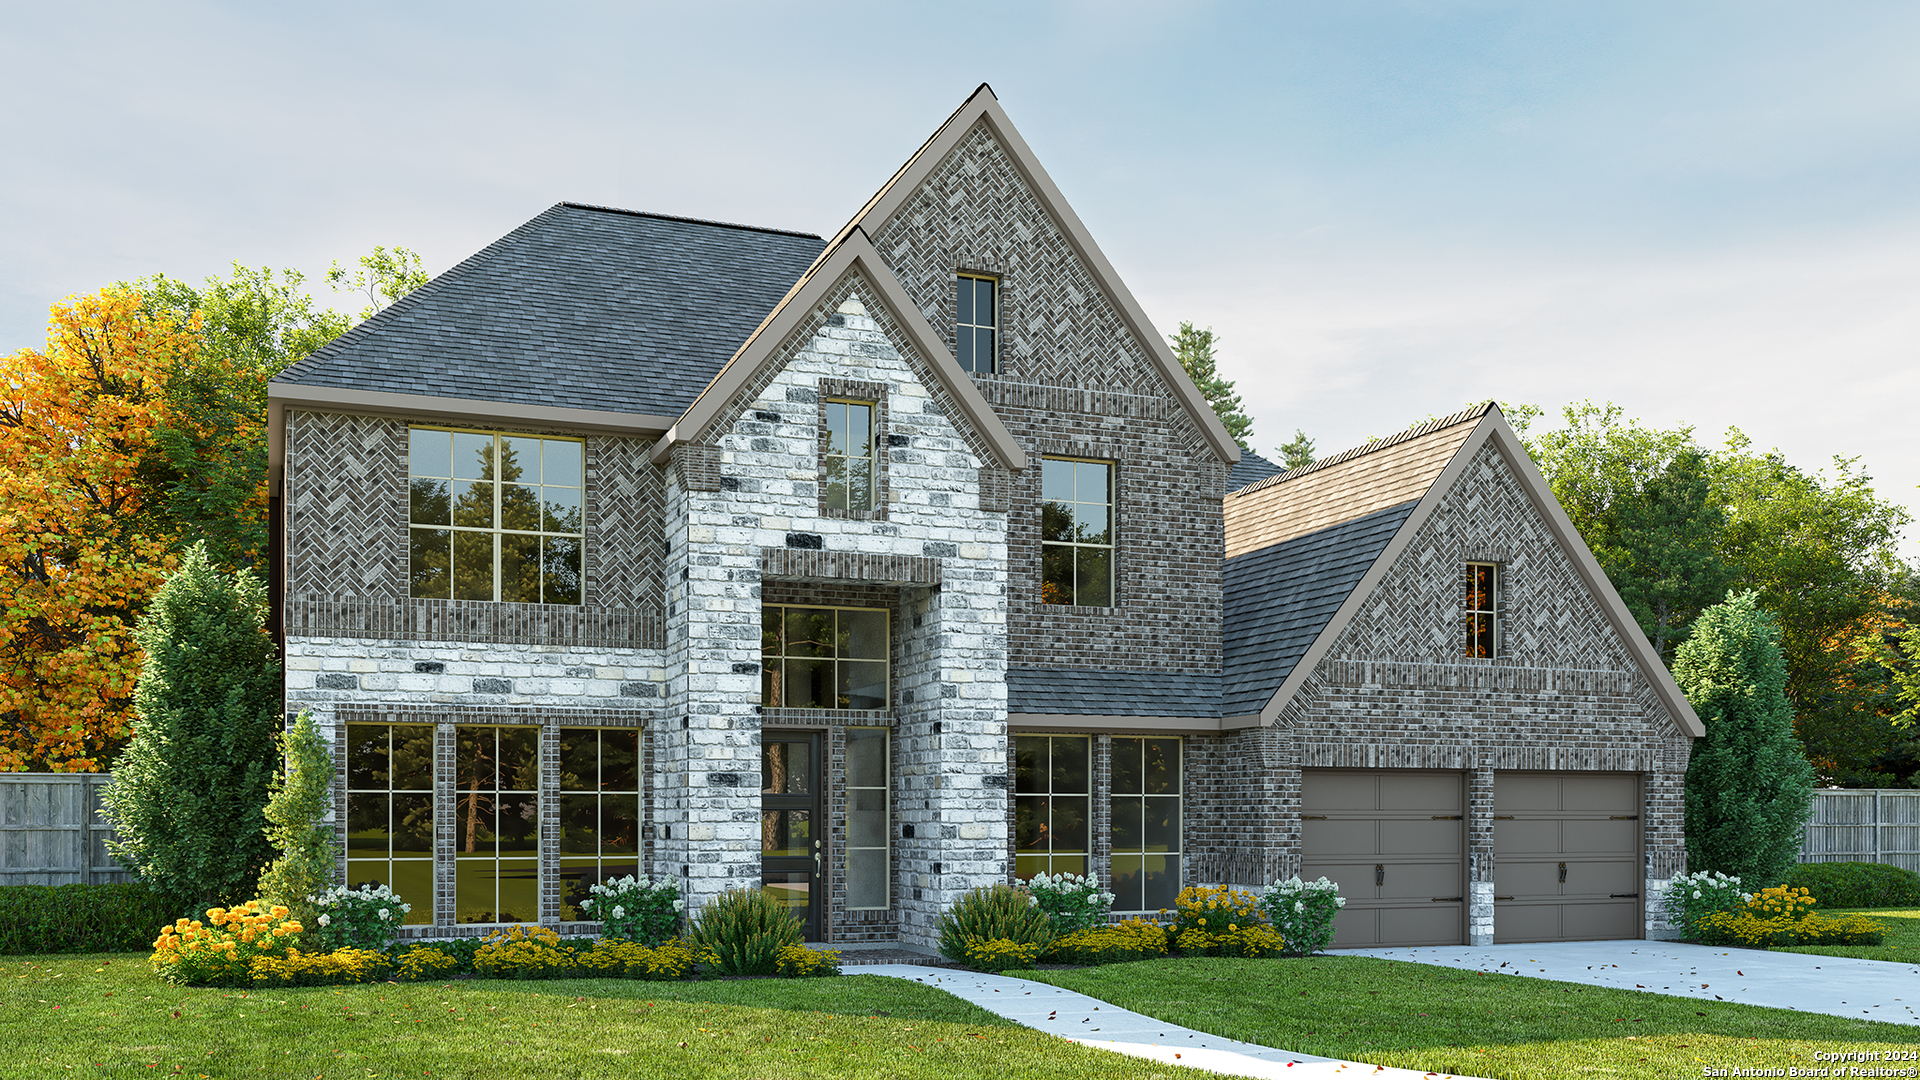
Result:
1446,817
1563,873
1624,896
1448,899
1379,874
1503,898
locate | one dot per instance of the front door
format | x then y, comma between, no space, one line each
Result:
791,857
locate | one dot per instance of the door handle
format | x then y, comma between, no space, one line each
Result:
1379,874
816,856
1563,873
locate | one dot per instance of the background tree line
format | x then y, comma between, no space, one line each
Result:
136,432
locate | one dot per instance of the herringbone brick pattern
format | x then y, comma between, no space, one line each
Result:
626,501
346,506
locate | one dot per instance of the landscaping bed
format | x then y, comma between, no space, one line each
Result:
1901,946
1422,1017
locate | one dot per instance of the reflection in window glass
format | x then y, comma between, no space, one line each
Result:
1145,823
494,517
599,812
866,847
849,466
1052,801
496,824
390,812
1076,532
1483,582
823,658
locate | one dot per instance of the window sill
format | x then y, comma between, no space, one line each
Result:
1076,609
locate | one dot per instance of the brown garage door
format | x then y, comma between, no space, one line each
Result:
1395,841
1567,856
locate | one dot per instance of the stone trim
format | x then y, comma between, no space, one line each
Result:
698,466
493,622
1476,675
872,393
797,564
827,718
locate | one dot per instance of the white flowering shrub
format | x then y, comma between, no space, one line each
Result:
367,918
630,909
1071,901
1692,897
1303,912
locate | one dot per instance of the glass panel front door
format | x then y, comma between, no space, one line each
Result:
791,852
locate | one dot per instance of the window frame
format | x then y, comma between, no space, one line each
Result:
604,865
422,908
967,334
497,530
883,852
1480,610
872,456
1053,856
1111,548
783,656
1177,797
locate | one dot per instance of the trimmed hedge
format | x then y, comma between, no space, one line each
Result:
81,918
1857,884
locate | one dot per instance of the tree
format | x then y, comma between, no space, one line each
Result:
188,795
385,276
1749,788
1195,350
1298,453
302,796
84,537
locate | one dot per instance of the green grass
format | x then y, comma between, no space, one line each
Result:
1902,945
1421,1017
108,1015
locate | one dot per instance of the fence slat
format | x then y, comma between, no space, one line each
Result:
1867,825
51,832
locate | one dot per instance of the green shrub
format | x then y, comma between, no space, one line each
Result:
799,962
1135,939
424,963
81,918
993,913
999,954
746,929
523,952
341,967
1857,884
302,796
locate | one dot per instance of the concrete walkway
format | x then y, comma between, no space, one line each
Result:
1863,989
1095,1023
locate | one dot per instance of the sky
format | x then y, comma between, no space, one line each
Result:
1703,212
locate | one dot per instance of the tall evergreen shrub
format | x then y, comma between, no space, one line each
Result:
188,793
1749,788
302,795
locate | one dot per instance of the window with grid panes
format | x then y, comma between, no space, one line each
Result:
977,322
1145,823
1076,532
823,657
1052,804
599,811
866,846
496,823
494,517
848,469
390,812
1483,597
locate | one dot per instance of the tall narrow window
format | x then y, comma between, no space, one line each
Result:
823,658
599,812
390,812
1146,823
1052,804
847,466
1483,600
978,322
496,824
494,517
866,818
1076,532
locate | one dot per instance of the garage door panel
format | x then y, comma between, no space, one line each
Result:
1354,877
1349,838
1420,838
1513,878
1430,924
1526,837
1606,794
1602,837
1437,793
1411,880
1614,919
1524,792
1603,878
1526,922
1324,792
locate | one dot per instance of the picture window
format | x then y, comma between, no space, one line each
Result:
494,517
824,657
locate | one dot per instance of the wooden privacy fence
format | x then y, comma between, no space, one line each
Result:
1865,825
51,832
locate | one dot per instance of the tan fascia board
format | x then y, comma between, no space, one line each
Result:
854,252
1080,722
1617,612
448,410
1436,493
983,105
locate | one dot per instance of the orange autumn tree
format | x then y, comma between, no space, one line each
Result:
83,541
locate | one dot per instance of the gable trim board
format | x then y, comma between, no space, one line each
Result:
1491,427
852,252
984,107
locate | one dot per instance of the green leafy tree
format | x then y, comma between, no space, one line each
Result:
1195,348
188,794
384,276
1298,453
302,796
1749,788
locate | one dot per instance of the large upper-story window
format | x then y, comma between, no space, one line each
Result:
977,322
847,465
1076,532
823,657
1482,610
494,517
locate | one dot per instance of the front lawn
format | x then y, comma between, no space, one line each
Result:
1902,944
1416,1016
107,1015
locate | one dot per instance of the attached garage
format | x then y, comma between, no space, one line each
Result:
1567,856
1395,840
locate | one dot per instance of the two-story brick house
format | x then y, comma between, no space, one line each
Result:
874,568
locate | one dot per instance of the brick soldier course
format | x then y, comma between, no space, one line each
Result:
1270,621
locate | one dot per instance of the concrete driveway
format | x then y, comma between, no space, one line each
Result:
1867,989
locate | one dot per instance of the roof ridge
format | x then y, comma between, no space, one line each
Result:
1471,412
690,220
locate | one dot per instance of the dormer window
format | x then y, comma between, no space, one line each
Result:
978,322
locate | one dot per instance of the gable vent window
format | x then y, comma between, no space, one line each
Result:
1482,608
1076,532
977,323
847,465
494,517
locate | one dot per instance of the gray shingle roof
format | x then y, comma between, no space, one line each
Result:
582,307
1279,598
1112,693
1249,468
